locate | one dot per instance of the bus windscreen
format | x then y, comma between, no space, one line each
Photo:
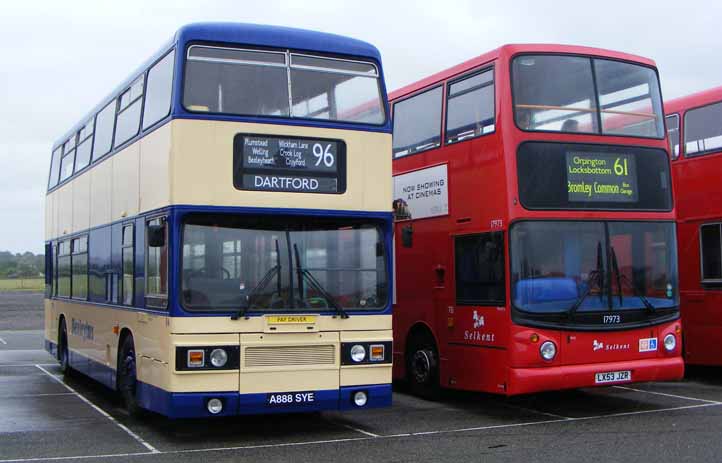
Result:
559,176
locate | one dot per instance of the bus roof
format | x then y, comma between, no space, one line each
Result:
510,50
694,100
277,37
239,34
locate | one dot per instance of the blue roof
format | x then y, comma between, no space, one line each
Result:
277,37
242,34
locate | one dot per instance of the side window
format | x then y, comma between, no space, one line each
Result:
710,238
128,122
66,165
56,250
702,130
156,266
63,286
54,167
479,265
104,131
673,134
85,143
49,270
470,107
79,268
158,91
417,123
128,274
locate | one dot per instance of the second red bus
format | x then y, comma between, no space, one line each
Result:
694,124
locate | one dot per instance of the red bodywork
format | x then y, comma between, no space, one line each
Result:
698,192
483,197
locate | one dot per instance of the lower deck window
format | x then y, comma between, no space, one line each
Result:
710,237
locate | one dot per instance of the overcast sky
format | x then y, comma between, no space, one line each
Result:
61,58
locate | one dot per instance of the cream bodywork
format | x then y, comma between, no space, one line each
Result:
190,162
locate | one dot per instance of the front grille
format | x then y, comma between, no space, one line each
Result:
277,356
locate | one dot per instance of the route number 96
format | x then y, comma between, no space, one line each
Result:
323,155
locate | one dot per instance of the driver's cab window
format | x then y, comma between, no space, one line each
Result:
156,283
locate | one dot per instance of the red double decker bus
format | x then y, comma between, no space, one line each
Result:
694,124
535,228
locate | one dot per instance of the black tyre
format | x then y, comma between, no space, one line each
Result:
422,367
63,352
127,379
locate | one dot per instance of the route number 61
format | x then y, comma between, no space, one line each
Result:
324,155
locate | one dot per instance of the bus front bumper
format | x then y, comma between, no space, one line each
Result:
195,404
529,380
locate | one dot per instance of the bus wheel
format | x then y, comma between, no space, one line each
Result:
63,353
127,383
422,368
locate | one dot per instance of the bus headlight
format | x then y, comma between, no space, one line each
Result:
358,353
670,342
548,351
219,357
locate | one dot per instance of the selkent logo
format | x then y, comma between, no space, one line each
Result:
599,345
478,320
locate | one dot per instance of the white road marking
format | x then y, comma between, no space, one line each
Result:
352,428
28,364
538,412
3,341
37,395
668,395
359,439
83,457
102,412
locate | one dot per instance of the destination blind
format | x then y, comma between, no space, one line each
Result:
561,176
601,177
290,164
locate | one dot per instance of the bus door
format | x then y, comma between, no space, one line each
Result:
477,323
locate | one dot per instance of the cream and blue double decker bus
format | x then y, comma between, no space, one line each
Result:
218,230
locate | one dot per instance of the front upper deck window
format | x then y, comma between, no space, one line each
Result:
256,83
576,94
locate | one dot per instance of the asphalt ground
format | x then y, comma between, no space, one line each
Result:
47,417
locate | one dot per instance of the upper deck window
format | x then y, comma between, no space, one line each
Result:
586,95
128,122
85,142
702,130
470,107
256,83
673,134
417,123
158,91
55,167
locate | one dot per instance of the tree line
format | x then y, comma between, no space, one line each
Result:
21,265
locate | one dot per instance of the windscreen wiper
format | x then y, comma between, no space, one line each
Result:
637,293
260,286
302,272
597,276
